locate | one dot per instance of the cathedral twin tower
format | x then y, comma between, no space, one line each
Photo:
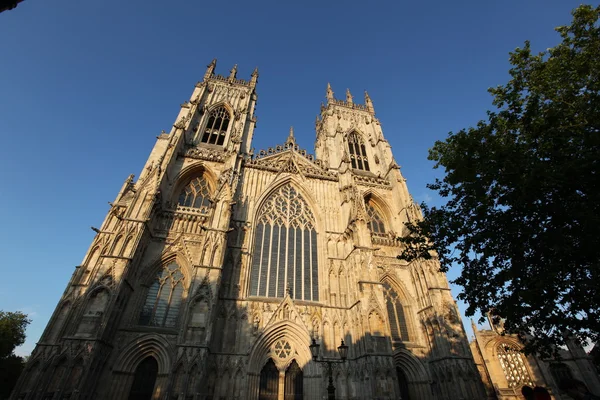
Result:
212,273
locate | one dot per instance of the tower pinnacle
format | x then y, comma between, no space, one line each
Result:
233,72
254,76
348,97
291,140
329,93
369,103
210,69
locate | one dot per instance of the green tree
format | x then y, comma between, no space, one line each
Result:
12,334
522,191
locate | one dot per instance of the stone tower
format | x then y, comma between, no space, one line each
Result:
212,273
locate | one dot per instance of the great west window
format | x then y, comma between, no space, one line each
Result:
285,248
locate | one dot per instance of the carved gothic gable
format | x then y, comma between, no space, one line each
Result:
291,161
286,311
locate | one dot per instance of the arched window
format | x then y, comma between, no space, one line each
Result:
196,194
92,316
396,314
375,222
164,298
358,152
216,127
285,248
511,361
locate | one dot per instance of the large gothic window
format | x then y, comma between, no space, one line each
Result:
396,314
164,298
196,195
511,361
285,248
375,222
216,127
358,152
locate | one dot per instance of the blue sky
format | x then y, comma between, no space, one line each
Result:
85,87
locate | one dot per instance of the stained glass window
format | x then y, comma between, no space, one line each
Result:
216,127
196,195
375,222
396,314
285,248
164,298
511,361
358,152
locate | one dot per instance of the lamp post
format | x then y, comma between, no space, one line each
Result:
343,350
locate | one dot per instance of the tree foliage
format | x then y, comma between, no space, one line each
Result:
12,334
522,215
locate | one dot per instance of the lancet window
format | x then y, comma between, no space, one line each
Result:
164,298
285,248
375,222
511,361
396,314
358,152
196,195
216,127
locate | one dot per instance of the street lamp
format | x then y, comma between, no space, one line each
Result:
314,351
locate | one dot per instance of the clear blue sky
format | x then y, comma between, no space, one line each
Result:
85,87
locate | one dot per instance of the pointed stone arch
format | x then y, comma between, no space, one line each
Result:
190,172
205,120
297,185
221,103
355,145
381,205
117,244
171,255
151,345
96,302
417,381
408,305
297,336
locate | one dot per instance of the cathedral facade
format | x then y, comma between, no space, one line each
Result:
215,270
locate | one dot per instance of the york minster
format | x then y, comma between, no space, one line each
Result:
215,270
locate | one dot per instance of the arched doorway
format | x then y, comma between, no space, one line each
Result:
144,380
402,383
269,382
293,382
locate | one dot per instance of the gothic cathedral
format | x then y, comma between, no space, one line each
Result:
213,272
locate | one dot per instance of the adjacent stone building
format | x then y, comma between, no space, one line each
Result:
505,369
212,272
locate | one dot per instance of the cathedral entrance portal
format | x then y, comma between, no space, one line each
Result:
403,383
144,380
269,382
293,382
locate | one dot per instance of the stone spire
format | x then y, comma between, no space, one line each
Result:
233,72
369,103
348,97
291,140
329,93
210,69
254,78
